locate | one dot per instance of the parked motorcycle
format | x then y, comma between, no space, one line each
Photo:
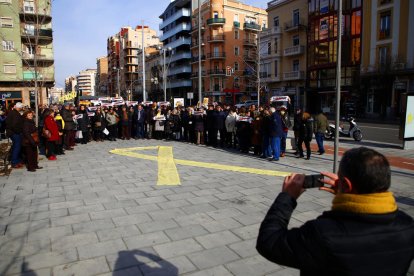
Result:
354,131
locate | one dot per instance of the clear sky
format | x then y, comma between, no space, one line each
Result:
81,28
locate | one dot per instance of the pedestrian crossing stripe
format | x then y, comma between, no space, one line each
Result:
167,170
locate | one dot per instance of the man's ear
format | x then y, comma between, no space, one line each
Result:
347,186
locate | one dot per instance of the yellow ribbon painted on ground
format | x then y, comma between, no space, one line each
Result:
167,171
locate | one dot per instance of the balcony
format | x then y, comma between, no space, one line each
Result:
195,43
194,28
130,45
251,26
41,34
216,55
194,75
39,58
295,25
179,70
29,14
174,17
180,41
271,31
216,38
195,59
295,75
293,51
179,83
180,55
250,58
177,29
217,72
216,21
236,24
250,42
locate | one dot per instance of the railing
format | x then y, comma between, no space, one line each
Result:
295,75
195,74
178,42
41,33
179,56
251,42
236,24
216,21
215,38
217,72
294,24
216,55
38,57
195,59
271,31
265,75
174,17
175,30
252,26
295,50
179,70
250,57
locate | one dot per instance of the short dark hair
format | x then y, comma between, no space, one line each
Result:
367,169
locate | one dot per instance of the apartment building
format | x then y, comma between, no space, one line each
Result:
102,76
26,54
229,50
86,84
322,54
283,50
387,66
124,49
70,84
176,38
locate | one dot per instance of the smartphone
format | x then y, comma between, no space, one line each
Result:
313,181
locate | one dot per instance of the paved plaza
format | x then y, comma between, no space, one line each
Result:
93,212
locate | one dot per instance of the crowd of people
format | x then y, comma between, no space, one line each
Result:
263,131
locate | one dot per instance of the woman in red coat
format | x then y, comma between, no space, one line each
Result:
50,124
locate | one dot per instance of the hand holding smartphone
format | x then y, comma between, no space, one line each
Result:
313,181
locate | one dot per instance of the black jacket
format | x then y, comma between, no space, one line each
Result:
14,123
338,243
306,129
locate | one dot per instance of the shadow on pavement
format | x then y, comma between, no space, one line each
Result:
405,200
127,259
26,271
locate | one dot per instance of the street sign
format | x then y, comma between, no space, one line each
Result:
190,95
228,71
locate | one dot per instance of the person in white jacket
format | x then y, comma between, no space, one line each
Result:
230,124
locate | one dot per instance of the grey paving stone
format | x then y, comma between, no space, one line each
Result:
186,195
186,232
59,221
107,214
28,209
130,258
198,218
212,257
174,204
218,270
68,242
166,214
120,204
247,232
177,248
171,266
285,272
199,208
157,225
65,204
145,240
151,200
100,249
217,239
19,247
131,219
50,200
224,213
131,271
142,208
118,232
251,218
86,267
49,214
220,225
245,248
5,220
252,266
50,259
22,228
93,226
86,209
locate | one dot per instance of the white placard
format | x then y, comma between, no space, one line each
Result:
409,118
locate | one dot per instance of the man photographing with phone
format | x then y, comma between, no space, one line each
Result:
363,234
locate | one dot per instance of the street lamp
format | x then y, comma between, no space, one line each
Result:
118,85
154,80
258,60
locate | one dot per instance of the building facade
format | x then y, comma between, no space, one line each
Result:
283,50
102,76
387,69
26,54
229,50
322,55
176,54
86,85
70,84
124,50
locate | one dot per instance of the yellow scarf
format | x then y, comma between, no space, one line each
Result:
377,203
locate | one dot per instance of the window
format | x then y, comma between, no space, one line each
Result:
6,22
236,82
29,29
276,21
295,65
269,48
9,68
276,45
215,14
236,66
5,1
385,25
236,18
295,40
28,6
276,69
296,18
8,45
236,51
383,56
236,34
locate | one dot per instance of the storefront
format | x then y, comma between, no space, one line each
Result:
10,97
